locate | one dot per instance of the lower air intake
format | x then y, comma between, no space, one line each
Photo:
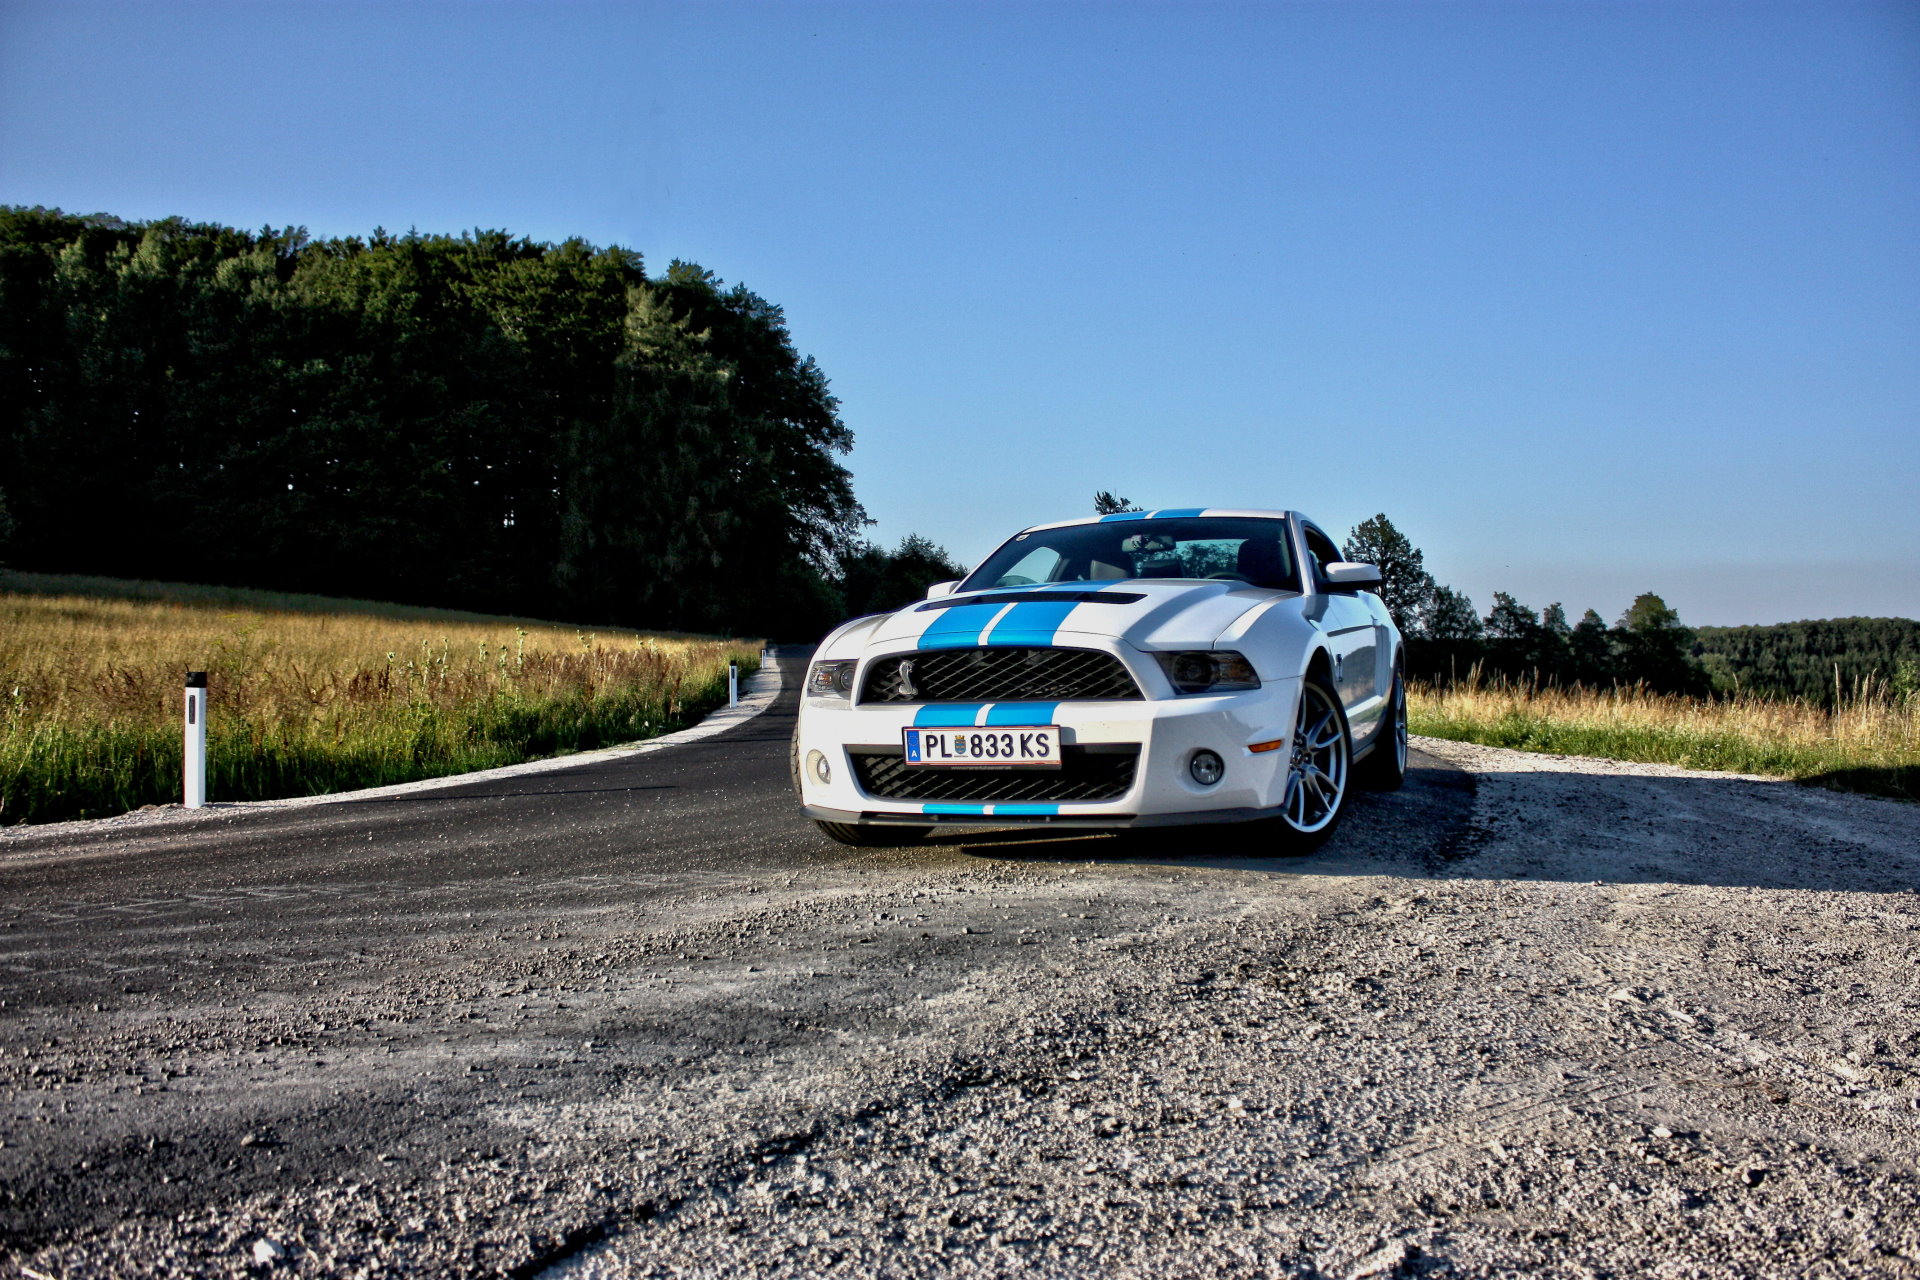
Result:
1084,775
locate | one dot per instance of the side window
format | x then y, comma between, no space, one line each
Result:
1322,552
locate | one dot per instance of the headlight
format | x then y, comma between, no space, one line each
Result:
1208,671
831,679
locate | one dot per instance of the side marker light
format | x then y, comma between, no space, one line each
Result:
1275,745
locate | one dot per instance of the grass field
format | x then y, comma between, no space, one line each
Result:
1870,744
308,694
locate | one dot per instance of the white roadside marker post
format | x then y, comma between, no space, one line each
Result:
194,768
733,684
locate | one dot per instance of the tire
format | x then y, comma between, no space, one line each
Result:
1385,767
873,837
793,761
1319,774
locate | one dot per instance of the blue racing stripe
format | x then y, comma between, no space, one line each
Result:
1171,512
1032,623
959,627
948,715
1123,515
1022,713
974,810
1030,809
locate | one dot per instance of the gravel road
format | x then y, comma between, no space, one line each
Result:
1530,1015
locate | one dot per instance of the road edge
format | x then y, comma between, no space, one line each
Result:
760,691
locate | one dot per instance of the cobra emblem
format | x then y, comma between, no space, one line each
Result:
905,673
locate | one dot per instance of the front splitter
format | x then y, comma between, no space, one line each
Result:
1092,822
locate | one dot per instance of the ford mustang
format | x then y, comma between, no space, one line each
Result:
1148,669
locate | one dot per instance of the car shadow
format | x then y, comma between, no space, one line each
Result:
1586,828
1895,782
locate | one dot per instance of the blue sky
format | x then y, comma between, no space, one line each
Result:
1590,298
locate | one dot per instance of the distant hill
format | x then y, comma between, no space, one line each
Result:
1799,659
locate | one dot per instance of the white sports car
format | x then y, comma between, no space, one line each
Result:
1150,669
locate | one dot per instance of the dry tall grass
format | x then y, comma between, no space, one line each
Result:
307,695
1871,743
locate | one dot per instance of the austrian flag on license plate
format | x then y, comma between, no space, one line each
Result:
1034,747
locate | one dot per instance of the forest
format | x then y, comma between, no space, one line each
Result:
1827,663
476,421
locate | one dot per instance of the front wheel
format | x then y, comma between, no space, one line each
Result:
1385,767
1317,771
873,837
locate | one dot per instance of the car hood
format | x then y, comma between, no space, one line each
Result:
1145,613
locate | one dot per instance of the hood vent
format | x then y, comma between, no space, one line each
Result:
1041,597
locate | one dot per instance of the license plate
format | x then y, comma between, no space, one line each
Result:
1032,747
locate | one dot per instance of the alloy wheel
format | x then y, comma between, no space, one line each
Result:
1317,771
1400,723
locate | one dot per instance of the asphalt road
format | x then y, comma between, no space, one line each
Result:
638,1017
255,1002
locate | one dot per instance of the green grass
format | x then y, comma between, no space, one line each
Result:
306,699
1870,746
49,772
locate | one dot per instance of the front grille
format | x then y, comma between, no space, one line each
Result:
1084,775
1010,674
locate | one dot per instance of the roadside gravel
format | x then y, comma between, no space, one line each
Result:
1531,1015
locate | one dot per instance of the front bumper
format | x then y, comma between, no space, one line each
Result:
1166,731
1086,821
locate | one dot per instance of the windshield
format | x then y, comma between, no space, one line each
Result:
1238,548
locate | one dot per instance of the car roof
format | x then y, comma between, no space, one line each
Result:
1163,513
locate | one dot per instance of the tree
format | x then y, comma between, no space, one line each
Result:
1405,585
1650,615
1652,645
1449,616
1590,652
1524,647
874,580
1106,504
646,510
1554,619
1511,620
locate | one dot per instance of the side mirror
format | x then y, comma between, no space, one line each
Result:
1345,575
939,589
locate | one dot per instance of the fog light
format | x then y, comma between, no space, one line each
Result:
1207,768
817,766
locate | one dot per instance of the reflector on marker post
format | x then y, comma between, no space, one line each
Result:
194,766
